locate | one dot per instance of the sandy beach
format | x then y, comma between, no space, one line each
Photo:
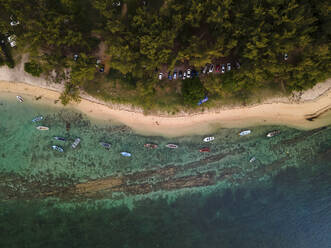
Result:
292,111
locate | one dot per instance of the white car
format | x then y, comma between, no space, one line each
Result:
211,68
228,66
12,40
188,73
184,75
160,75
223,68
205,69
285,56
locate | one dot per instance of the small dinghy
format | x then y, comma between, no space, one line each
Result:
42,128
59,138
204,149
252,159
105,145
273,133
150,145
76,143
245,132
38,118
57,148
208,139
126,154
20,99
172,146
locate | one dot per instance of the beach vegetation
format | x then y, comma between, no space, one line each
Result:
33,68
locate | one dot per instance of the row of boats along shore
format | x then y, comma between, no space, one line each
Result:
107,146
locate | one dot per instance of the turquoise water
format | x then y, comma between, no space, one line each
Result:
90,196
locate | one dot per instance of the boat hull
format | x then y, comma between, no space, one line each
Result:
208,139
245,132
126,154
172,146
42,128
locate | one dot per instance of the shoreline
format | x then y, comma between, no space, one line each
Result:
269,113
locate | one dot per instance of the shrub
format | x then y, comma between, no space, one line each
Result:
33,68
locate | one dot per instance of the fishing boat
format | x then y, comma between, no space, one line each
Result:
105,145
20,99
76,143
245,132
172,146
42,128
59,138
204,149
208,139
273,133
38,118
58,148
126,154
252,159
151,145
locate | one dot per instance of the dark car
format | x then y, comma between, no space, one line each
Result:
169,75
101,68
218,68
180,74
195,73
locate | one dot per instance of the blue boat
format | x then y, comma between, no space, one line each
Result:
126,154
59,138
38,118
203,100
105,145
58,148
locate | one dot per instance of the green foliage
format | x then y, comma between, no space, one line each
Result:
33,68
192,91
70,93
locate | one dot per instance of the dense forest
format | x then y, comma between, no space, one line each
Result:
115,49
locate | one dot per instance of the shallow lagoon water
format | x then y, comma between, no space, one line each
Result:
170,198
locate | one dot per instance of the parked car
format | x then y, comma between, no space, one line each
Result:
285,56
12,40
76,56
180,74
160,76
189,73
101,68
195,73
218,68
204,71
169,75
228,66
184,75
223,68
175,75
211,68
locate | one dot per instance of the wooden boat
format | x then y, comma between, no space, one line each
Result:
126,154
57,148
38,118
76,143
42,128
208,139
20,99
245,132
204,149
151,145
105,145
273,133
172,146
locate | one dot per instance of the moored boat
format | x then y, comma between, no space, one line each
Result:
126,154
273,133
204,149
172,146
151,145
76,143
252,159
59,138
245,132
38,118
58,148
208,139
105,145
42,128
20,99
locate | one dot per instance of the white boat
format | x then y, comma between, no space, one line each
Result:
57,148
245,132
252,159
76,143
172,146
38,118
273,133
20,99
126,154
42,128
208,139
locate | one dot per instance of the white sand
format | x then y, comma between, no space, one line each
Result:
288,111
